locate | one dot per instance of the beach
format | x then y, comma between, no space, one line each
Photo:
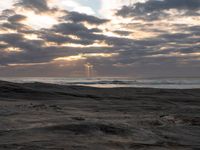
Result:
42,116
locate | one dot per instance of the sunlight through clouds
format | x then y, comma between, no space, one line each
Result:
119,35
39,21
85,56
6,4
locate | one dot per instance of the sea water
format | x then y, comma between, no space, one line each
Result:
111,82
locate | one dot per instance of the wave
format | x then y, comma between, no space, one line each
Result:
139,82
116,82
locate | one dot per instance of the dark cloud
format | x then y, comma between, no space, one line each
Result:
11,38
8,12
86,36
13,26
11,20
131,51
35,5
17,40
73,28
14,22
79,17
146,56
154,9
52,37
63,39
16,18
123,33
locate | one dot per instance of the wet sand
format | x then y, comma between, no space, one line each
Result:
38,116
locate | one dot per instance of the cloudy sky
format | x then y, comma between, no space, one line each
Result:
131,38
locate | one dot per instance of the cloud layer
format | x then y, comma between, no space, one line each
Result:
141,39
156,9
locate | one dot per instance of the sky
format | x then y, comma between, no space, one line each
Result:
116,38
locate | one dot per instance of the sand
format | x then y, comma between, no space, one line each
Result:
38,116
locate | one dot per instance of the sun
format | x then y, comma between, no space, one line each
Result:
39,21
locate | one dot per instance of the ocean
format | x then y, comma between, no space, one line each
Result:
108,82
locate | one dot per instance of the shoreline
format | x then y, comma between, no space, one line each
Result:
44,116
